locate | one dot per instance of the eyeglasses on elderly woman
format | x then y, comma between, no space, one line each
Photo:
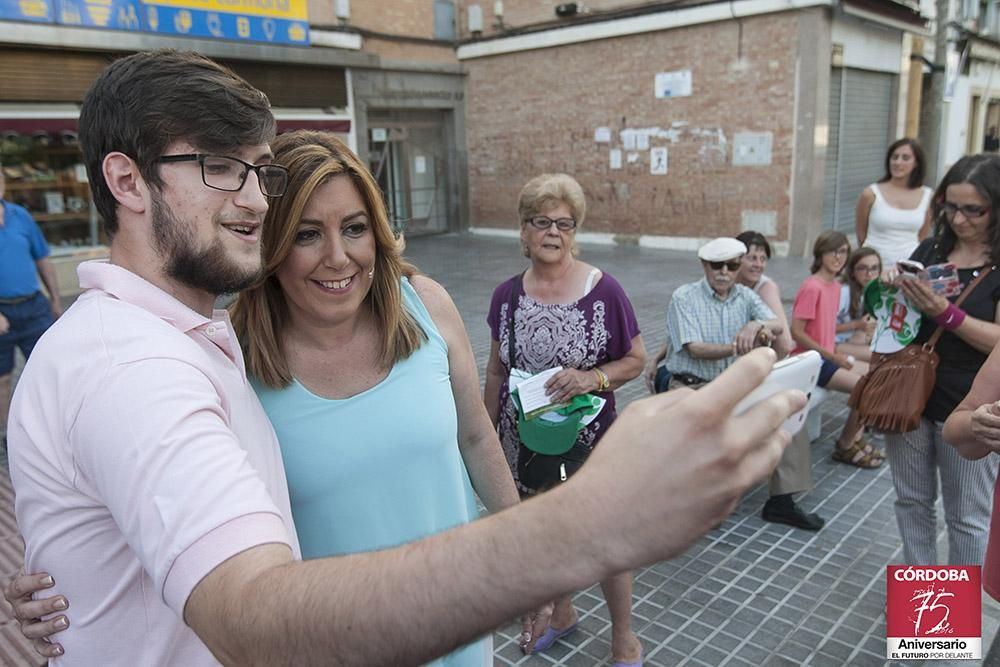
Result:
543,222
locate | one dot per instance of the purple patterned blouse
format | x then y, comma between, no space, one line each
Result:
592,331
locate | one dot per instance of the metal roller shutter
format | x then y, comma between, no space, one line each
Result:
861,128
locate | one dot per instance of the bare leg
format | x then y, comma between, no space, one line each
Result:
625,646
564,615
844,381
860,352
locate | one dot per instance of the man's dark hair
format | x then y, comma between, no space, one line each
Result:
142,103
983,173
751,238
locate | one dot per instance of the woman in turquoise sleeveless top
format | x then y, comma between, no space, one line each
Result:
365,370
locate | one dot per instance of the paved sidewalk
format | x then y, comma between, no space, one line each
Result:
749,592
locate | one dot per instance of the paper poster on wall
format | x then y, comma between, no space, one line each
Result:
658,161
628,140
420,164
672,84
615,158
632,158
642,141
602,135
752,149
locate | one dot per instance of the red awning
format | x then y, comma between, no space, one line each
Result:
31,125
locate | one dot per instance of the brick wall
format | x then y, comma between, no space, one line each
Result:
410,51
536,111
412,18
524,13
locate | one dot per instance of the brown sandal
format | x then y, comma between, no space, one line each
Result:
860,454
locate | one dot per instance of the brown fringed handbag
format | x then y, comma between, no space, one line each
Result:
892,396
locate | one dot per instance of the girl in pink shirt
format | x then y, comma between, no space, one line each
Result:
814,327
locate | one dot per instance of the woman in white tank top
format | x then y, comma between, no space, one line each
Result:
893,215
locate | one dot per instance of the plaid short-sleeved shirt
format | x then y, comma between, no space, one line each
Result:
696,314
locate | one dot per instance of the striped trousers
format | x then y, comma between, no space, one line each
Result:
916,460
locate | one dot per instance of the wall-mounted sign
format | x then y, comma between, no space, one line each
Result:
658,161
273,21
26,10
752,149
672,84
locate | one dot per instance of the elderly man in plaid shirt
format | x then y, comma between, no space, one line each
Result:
710,323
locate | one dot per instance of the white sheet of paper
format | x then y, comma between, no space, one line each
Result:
532,391
615,158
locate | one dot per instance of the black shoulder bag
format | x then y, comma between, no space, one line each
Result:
537,471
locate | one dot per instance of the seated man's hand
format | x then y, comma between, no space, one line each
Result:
764,338
4,325
746,339
29,612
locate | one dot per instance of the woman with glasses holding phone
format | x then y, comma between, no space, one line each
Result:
966,234
563,312
893,215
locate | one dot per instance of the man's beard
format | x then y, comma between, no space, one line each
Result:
209,269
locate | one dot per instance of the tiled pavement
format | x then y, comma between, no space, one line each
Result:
749,592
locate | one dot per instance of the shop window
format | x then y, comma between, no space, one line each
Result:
45,174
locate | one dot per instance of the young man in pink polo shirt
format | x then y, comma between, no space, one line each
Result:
149,482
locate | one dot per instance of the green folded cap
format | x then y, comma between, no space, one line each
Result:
547,435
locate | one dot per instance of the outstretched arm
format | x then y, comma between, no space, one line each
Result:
426,598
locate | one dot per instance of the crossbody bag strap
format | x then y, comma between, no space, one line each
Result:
958,302
515,291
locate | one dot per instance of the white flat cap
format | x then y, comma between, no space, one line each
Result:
721,249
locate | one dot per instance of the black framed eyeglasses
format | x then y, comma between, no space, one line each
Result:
732,266
544,222
229,174
968,210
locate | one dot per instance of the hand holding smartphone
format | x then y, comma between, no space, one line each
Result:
798,372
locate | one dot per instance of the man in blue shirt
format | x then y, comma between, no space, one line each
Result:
25,313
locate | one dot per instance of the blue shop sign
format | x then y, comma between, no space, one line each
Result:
26,10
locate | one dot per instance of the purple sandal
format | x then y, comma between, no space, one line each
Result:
550,637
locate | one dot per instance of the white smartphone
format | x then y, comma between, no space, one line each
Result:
798,372
909,268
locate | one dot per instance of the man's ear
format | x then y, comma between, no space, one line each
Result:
121,173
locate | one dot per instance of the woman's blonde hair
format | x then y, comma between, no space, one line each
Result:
546,191
260,313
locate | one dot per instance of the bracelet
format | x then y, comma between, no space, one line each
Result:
603,381
951,318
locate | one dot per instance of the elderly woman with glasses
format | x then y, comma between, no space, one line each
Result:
563,312
966,234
